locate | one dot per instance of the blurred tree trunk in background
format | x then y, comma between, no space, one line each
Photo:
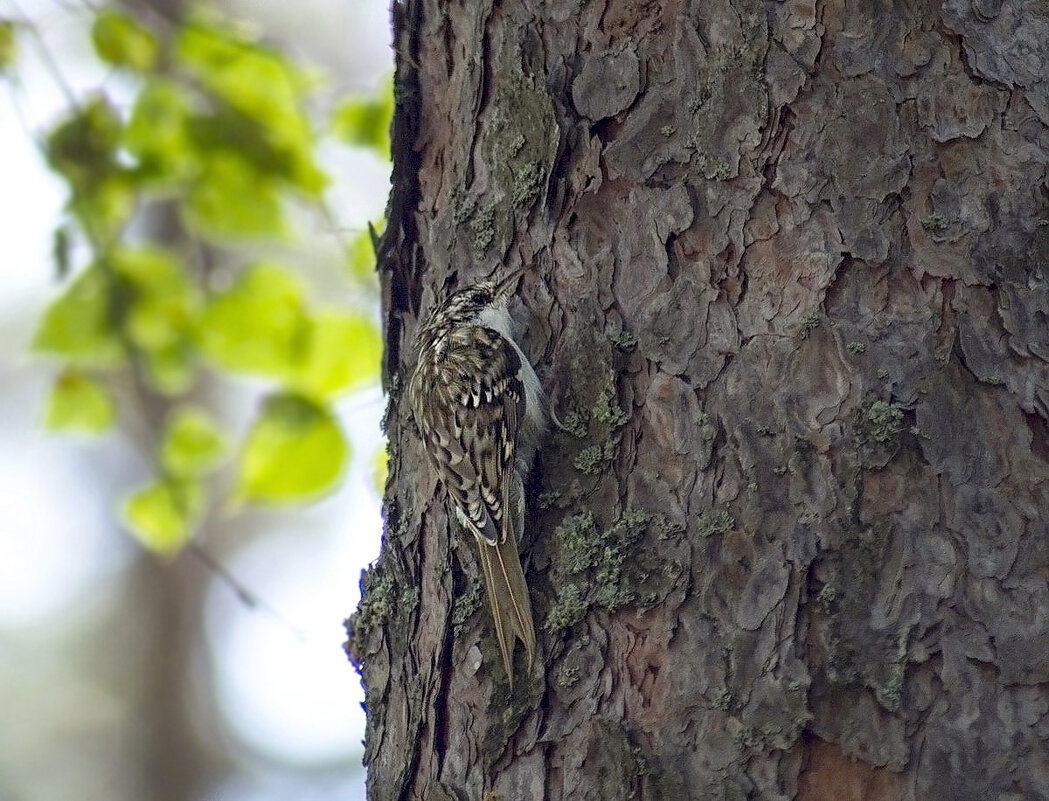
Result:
177,761
173,754
788,290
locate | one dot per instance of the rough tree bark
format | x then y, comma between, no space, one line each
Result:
787,285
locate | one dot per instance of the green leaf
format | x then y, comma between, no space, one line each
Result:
106,206
171,370
163,304
259,325
157,134
366,122
262,86
192,445
232,199
262,325
122,41
80,326
83,147
83,150
159,311
343,352
8,45
162,516
380,469
362,257
79,403
295,451
225,130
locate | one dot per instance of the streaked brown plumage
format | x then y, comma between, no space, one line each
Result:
479,407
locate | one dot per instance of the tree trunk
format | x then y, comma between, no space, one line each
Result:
786,274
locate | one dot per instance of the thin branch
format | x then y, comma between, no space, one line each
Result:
245,595
45,54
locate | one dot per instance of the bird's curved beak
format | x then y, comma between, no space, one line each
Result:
507,285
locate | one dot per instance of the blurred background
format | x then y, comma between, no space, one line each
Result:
137,668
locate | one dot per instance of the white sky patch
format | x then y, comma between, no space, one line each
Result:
57,539
53,552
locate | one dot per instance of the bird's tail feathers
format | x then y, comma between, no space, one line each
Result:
508,597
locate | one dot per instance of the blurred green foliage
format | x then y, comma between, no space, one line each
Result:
294,450
80,403
216,136
122,41
192,445
162,515
8,45
365,122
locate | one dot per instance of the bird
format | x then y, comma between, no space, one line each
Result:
480,409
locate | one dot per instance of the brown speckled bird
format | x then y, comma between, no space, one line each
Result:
480,408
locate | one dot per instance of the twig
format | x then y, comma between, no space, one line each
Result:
45,55
243,593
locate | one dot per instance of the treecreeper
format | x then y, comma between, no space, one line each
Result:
481,411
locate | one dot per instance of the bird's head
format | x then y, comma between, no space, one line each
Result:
464,306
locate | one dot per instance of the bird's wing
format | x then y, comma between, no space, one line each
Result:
472,424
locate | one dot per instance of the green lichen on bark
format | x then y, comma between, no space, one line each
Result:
566,676
883,421
518,144
715,521
935,223
378,597
569,608
528,182
606,409
574,424
595,459
482,229
876,428
466,605
596,567
624,340
810,321
594,414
